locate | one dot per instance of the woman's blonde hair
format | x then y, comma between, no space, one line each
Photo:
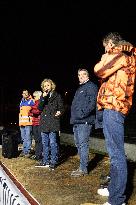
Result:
53,85
37,93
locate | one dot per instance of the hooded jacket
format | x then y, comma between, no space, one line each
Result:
83,106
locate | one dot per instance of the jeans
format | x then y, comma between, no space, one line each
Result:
81,137
27,138
50,147
113,128
38,141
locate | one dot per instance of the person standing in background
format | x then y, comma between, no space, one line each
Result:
83,111
25,122
35,114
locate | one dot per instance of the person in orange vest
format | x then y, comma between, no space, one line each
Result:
25,122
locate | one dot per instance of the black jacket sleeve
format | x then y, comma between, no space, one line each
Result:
43,101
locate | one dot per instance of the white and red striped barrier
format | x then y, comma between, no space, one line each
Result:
11,191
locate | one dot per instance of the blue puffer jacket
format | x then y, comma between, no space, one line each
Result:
83,106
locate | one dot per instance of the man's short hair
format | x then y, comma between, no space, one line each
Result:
26,90
114,36
83,69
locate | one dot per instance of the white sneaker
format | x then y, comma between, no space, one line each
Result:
103,192
107,203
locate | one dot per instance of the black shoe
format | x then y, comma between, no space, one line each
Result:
34,157
104,180
52,166
22,154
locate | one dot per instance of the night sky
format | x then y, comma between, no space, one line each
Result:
51,39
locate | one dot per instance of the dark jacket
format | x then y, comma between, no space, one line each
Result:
49,106
83,106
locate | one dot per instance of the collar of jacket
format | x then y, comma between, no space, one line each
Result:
84,82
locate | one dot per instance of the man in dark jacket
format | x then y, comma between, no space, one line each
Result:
83,117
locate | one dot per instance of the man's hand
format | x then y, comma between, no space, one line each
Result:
104,57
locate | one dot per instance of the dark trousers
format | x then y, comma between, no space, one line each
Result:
38,141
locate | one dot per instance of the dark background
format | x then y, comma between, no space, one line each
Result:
51,39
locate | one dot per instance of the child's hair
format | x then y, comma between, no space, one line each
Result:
53,85
37,93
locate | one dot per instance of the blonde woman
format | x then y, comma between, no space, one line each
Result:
35,113
51,105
